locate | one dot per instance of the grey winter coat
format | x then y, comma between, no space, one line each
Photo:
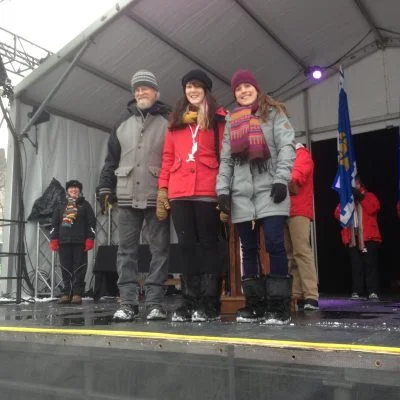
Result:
250,189
133,161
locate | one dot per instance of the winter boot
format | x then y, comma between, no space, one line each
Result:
190,293
65,299
254,293
76,299
279,293
210,306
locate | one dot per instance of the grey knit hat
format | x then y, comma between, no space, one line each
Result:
144,78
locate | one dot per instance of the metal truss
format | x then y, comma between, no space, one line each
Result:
20,56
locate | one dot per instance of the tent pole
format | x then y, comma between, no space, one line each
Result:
54,90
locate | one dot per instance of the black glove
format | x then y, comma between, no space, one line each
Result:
224,203
358,196
279,192
106,199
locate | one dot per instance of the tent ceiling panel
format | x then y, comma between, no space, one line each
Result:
172,37
82,95
321,40
217,31
385,13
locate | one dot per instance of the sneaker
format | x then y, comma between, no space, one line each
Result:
373,297
126,312
355,296
311,305
156,313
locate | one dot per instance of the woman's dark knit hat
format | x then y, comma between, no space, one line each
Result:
197,75
244,76
73,183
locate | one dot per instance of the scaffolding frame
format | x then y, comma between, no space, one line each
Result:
50,261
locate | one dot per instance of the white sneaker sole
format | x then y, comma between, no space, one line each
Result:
310,308
156,316
249,320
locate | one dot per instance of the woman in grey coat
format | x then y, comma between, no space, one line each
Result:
257,157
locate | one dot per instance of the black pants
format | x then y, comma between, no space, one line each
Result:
196,224
364,267
73,260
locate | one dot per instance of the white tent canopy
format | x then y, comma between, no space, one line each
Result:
86,85
277,39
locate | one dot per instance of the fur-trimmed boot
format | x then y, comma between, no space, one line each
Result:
190,292
254,293
210,293
279,293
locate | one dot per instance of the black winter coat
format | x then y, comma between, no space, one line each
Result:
84,226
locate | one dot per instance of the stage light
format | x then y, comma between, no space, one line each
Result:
317,74
314,72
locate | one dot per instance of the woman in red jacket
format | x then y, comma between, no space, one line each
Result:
363,245
187,186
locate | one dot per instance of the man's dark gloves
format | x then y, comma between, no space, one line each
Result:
224,203
279,192
358,196
106,201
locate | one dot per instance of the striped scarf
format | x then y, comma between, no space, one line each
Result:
70,213
247,138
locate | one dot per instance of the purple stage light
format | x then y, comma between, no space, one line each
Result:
317,74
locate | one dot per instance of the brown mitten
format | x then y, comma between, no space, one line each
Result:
162,204
224,217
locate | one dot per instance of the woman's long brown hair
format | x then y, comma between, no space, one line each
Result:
182,106
265,102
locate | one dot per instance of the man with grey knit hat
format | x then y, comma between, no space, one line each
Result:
130,174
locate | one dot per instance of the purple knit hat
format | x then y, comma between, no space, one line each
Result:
243,76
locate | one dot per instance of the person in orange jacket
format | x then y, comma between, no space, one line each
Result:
297,231
73,229
363,242
187,186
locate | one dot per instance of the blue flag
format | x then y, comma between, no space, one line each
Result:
347,168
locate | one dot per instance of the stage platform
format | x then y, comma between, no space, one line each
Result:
347,350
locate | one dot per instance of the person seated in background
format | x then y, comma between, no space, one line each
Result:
298,229
73,229
362,241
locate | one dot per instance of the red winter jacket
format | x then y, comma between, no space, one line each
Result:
187,179
370,207
301,204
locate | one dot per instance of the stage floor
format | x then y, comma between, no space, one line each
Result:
347,350
339,320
